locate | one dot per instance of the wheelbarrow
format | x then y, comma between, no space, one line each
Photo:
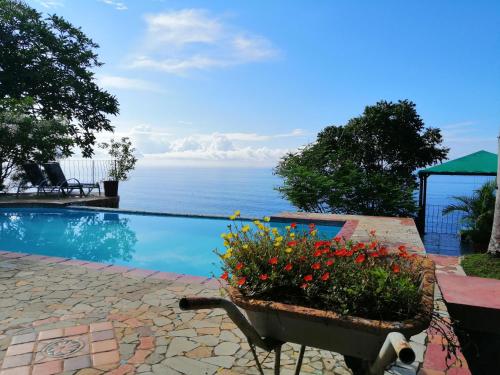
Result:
368,346
394,346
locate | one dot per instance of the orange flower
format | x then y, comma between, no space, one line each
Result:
263,277
288,267
395,268
325,276
273,261
242,280
308,277
360,258
224,276
329,262
239,266
316,266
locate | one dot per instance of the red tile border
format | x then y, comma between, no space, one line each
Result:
139,272
348,229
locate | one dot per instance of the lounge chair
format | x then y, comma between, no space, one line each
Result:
64,185
33,178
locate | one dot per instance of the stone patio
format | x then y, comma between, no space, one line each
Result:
46,299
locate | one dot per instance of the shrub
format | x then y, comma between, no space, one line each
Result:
302,268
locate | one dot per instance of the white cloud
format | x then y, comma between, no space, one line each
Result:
124,83
118,5
463,138
192,39
50,4
158,147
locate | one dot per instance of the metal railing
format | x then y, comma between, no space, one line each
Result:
436,222
87,170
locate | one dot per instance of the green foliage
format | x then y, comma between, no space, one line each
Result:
365,167
124,160
24,138
479,211
53,62
482,265
302,268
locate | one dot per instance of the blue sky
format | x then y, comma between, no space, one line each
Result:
241,82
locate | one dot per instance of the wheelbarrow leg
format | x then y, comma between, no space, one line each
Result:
298,366
252,348
277,359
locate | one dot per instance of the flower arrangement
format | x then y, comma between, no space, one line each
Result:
300,267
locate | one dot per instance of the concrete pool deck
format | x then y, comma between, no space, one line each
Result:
74,317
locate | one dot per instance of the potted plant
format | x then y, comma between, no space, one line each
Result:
478,211
333,294
124,161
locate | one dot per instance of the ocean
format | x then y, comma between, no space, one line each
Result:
220,191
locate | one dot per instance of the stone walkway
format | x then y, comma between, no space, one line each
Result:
48,300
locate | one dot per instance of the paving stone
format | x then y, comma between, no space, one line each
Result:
220,361
190,366
180,345
226,348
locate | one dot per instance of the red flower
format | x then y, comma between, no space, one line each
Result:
312,226
395,268
372,232
373,245
242,280
318,253
349,253
239,266
337,239
402,248
329,262
360,258
316,266
360,245
374,254
292,243
325,276
383,251
293,225
263,277
273,261
340,252
224,276
288,267
308,277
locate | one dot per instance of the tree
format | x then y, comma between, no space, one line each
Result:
24,138
494,245
478,212
365,167
53,62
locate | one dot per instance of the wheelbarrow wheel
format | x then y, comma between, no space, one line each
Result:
357,365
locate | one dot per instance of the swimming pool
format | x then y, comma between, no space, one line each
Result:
181,244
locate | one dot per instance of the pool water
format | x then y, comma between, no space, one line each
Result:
180,244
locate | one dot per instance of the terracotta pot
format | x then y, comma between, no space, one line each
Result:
348,335
111,188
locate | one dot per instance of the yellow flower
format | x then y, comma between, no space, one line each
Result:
275,230
232,217
245,229
228,253
223,235
288,250
245,246
226,243
267,219
277,244
262,234
288,227
279,239
292,235
237,213
314,232
229,236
